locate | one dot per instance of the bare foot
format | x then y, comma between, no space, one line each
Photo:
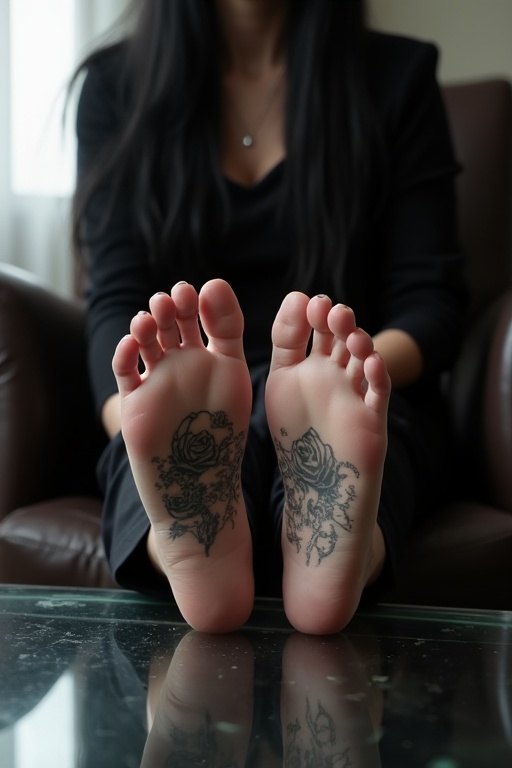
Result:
185,421
327,412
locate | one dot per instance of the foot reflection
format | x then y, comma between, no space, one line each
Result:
327,705
219,704
204,711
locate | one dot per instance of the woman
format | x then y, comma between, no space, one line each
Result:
254,154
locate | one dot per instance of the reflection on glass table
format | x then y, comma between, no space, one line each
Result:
99,678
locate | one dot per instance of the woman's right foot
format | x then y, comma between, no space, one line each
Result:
184,422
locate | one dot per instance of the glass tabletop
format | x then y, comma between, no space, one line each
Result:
111,678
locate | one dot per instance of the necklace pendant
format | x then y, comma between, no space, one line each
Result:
248,140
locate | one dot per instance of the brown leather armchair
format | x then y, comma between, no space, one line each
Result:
460,555
50,441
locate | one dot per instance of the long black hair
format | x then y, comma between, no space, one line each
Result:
171,87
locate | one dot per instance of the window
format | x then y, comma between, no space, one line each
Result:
42,56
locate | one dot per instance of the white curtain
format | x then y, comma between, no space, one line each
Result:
40,43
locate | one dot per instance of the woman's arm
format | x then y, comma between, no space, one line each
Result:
119,280
419,290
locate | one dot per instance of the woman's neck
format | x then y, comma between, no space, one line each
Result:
252,34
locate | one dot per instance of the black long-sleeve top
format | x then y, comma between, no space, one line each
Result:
405,274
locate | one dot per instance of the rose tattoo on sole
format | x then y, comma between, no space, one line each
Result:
200,478
319,491
315,742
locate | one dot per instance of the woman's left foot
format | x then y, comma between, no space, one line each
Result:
327,412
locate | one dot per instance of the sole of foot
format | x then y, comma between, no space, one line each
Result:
184,421
326,399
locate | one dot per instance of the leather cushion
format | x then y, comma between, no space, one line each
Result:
459,557
55,543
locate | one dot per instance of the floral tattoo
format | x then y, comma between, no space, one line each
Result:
197,748
200,478
319,492
314,744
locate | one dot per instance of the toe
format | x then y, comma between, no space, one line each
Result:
291,331
187,319
125,365
360,346
317,313
379,383
222,318
163,310
341,322
143,328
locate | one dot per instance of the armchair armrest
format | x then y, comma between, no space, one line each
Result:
50,438
498,406
480,394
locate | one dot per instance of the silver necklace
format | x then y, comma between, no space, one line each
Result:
249,136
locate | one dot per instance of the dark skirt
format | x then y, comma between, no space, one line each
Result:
413,450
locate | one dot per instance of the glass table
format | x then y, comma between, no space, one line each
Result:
106,679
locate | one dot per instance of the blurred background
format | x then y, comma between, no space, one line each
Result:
41,41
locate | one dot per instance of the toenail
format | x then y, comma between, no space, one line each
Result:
142,312
322,296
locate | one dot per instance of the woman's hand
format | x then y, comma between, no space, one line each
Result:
111,415
401,354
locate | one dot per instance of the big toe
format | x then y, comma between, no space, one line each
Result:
221,318
291,331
